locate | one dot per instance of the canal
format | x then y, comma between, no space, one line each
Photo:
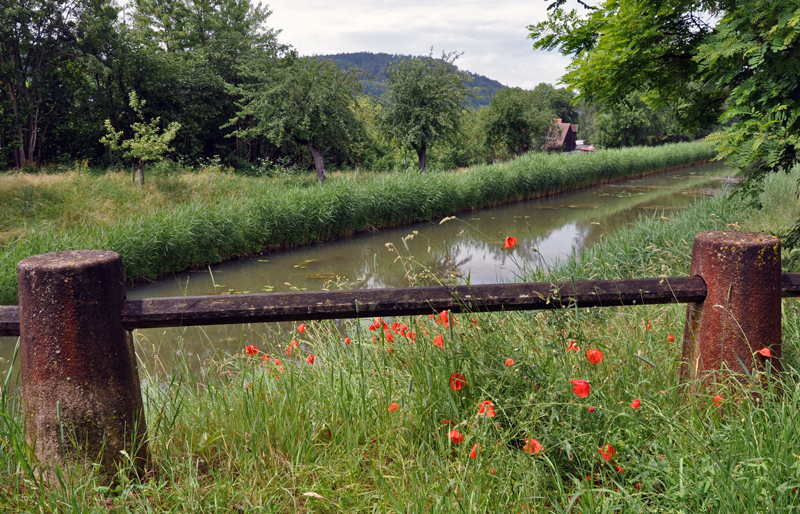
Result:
468,247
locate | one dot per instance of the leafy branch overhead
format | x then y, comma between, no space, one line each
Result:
704,58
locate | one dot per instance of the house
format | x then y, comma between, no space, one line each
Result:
562,138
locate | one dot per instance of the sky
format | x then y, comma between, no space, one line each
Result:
491,35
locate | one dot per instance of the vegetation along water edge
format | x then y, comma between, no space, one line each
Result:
574,410
268,215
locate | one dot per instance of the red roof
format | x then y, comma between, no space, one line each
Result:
556,138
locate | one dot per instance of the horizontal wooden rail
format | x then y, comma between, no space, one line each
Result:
366,303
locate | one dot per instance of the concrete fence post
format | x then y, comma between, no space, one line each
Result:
81,395
742,310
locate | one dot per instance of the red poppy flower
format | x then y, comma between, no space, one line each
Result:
594,356
635,404
251,350
718,400
607,452
649,326
393,407
509,362
474,321
389,337
265,358
590,409
532,446
765,352
581,388
412,335
572,347
446,421
491,470
443,319
671,338
510,242
302,328
620,469
277,362
374,327
485,407
439,341
347,341
474,453
455,436
403,329
310,359
457,381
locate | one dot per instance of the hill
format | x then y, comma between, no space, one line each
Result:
376,65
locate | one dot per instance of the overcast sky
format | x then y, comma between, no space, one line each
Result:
492,35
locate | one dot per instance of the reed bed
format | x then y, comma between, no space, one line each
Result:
189,229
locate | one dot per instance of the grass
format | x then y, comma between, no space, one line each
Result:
193,219
251,435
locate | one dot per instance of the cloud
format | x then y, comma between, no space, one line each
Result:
491,35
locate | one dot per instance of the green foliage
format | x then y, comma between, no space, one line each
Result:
624,124
308,102
756,51
696,57
42,61
424,101
517,119
147,144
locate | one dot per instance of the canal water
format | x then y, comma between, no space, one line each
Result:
468,247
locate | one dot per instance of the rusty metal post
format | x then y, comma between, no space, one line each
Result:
81,395
742,310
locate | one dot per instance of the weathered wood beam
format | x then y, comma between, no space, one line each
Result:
316,305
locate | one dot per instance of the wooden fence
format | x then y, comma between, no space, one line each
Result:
78,368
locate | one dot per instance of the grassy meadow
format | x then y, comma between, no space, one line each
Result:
395,418
191,219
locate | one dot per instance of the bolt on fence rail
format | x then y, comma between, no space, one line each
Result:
78,368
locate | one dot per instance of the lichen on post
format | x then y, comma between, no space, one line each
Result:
80,386
741,313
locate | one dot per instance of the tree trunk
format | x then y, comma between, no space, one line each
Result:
624,137
422,152
319,161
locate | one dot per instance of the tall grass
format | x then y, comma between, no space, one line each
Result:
268,214
254,435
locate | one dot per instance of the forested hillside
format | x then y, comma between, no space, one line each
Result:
375,64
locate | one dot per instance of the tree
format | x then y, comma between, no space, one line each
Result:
516,119
559,101
305,101
40,52
625,124
147,144
747,64
423,101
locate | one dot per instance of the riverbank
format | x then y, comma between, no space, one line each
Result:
207,218
369,425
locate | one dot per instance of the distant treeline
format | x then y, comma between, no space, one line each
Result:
376,64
